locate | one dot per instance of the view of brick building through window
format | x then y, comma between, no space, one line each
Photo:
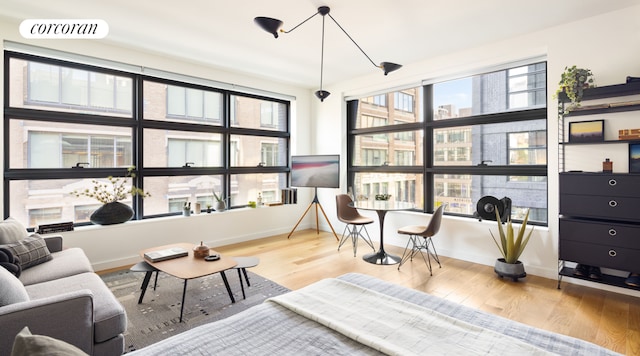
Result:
92,95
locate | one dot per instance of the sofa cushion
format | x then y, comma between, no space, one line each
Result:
26,344
9,262
110,319
31,250
12,290
65,263
11,230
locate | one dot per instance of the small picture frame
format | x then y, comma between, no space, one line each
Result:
586,131
634,158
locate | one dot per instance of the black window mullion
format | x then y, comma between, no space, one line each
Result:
428,149
138,143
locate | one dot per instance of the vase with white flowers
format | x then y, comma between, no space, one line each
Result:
109,194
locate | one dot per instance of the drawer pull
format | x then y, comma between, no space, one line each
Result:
612,253
612,232
613,203
612,182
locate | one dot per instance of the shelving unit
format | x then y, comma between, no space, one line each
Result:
599,219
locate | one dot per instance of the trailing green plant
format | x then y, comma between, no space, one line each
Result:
112,191
573,82
511,244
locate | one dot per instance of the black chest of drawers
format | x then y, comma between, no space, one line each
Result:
600,222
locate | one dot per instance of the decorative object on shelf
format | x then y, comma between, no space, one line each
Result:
259,200
607,166
586,131
110,194
201,251
220,202
273,26
382,196
197,208
208,208
488,205
573,82
631,79
511,246
111,213
186,209
251,204
634,158
629,134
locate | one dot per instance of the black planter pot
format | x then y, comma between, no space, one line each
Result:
509,270
112,213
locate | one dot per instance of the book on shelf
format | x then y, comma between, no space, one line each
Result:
591,107
625,103
165,254
56,227
289,196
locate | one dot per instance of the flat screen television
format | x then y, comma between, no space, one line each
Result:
316,171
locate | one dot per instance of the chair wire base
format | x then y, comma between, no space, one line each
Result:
427,245
355,233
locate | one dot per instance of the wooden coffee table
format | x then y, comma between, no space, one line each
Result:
189,267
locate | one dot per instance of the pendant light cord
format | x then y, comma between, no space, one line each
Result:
322,54
352,40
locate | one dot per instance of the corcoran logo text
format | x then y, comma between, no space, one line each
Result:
64,28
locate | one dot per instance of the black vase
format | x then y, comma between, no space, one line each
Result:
112,213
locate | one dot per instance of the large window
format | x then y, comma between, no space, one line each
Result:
68,124
479,135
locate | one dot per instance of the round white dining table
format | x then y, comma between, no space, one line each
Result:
381,207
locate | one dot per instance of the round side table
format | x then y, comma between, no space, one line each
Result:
243,264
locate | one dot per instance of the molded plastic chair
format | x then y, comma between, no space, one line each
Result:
355,223
420,238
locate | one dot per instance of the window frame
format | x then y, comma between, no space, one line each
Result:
429,124
137,123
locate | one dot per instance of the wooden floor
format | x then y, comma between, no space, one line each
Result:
608,319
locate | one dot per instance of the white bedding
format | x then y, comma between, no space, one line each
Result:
396,327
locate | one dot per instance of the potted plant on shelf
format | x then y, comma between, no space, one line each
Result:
511,246
573,82
220,202
109,194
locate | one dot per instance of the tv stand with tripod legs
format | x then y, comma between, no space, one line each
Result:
315,202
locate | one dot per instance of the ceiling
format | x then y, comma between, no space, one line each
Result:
222,34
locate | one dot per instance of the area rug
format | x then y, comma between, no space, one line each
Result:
207,300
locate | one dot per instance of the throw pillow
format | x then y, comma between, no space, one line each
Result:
27,344
31,251
12,290
11,230
9,262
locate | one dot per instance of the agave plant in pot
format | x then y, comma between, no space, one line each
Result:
109,194
511,245
219,204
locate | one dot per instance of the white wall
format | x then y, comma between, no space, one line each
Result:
608,44
118,245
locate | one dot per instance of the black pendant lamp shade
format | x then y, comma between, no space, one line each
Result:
268,24
389,67
322,94
273,26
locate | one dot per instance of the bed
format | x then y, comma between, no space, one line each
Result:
356,314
